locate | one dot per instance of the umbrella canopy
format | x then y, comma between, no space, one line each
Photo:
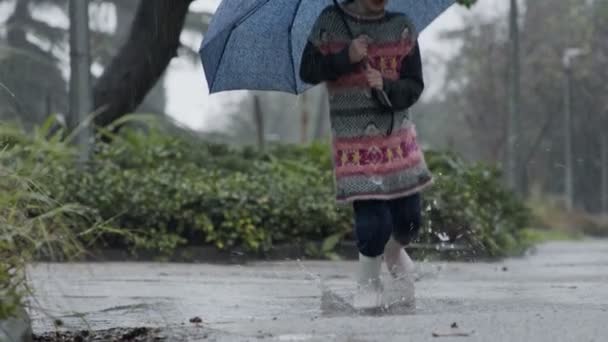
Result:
258,44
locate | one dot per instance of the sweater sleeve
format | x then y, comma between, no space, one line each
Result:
317,67
406,91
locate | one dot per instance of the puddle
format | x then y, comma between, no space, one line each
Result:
337,294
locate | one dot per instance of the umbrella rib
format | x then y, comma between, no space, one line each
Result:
232,28
290,40
251,12
217,70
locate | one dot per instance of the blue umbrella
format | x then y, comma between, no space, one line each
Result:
258,44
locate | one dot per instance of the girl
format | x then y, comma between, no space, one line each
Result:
371,62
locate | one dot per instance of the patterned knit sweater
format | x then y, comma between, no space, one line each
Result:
368,163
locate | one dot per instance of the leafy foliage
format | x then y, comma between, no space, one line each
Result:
186,192
470,205
33,223
467,3
164,191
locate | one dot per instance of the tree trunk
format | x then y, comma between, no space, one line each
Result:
604,161
153,42
17,33
156,99
568,158
514,168
258,120
80,75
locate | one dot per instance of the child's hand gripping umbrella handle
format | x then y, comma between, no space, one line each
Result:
379,95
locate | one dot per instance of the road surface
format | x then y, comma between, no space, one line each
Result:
557,293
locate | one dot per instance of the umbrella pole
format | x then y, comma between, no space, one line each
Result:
304,118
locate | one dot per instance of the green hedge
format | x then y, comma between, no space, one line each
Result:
468,204
34,224
161,191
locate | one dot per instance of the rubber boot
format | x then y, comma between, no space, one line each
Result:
369,285
401,290
398,262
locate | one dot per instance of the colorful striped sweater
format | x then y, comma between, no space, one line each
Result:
368,163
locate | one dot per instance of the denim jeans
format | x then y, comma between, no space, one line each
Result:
377,220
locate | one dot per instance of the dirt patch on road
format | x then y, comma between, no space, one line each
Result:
110,335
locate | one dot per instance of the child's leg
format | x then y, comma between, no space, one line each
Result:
373,227
406,216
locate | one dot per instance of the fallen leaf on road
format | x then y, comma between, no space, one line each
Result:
453,334
196,320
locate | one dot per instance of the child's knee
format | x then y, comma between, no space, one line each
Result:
373,228
372,245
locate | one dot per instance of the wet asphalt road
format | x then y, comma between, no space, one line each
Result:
557,293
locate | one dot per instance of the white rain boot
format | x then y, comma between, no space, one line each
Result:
398,262
401,290
369,285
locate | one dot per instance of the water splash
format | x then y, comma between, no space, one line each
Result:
337,299
333,301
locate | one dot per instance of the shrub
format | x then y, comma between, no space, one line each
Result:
164,190
33,223
551,213
469,204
